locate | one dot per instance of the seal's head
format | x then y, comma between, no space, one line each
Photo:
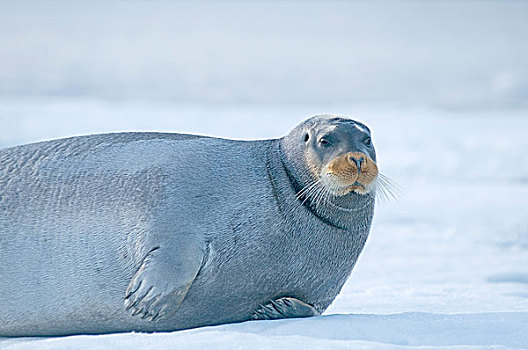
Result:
334,153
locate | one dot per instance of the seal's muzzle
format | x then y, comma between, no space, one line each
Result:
352,171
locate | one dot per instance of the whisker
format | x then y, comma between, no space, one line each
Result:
312,193
326,196
318,197
393,189
390,181
380,194
306,189
387,189
385,194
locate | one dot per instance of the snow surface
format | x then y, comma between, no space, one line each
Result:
445,266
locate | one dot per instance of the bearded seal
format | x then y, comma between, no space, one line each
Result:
161,232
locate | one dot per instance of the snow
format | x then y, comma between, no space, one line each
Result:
445,266
360,331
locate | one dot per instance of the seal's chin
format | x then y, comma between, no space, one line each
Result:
360,188
350,172
338,188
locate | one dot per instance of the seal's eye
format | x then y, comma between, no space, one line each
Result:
306,137
324,142
367,141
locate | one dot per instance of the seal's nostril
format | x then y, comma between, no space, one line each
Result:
357,161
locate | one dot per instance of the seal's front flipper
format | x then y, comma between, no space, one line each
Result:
284,308
161,283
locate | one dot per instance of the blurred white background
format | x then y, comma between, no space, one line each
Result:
460,54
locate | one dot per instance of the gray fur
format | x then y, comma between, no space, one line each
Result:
160,232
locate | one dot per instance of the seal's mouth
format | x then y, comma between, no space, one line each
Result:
350,172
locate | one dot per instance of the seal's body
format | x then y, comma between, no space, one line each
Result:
159,232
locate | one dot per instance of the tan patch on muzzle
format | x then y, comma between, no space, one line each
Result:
353,171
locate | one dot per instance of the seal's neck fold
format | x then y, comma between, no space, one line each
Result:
351,212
